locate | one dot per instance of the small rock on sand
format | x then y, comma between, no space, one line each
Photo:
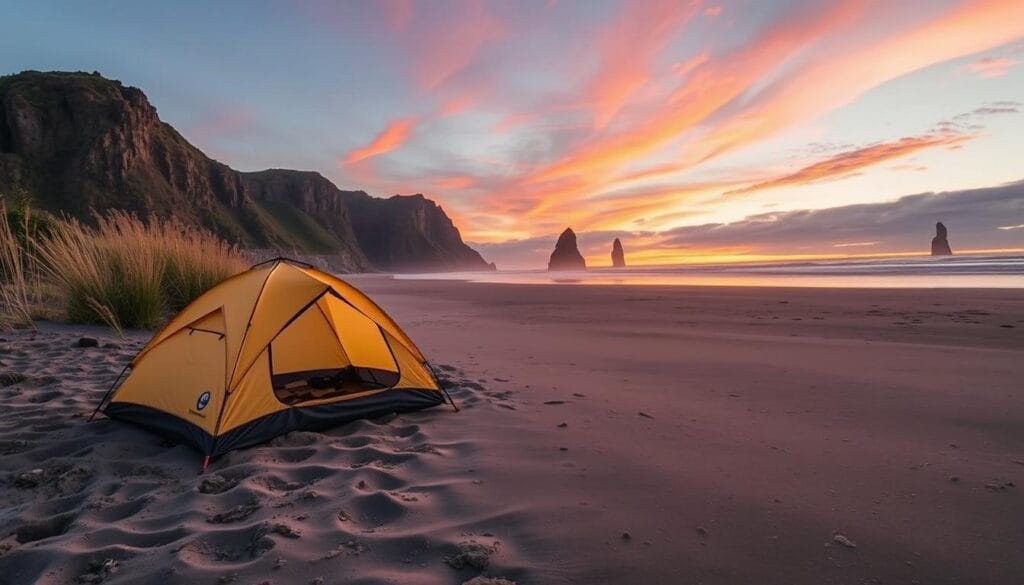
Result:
472,554
482,580
285,531
87,342
553,402
216,484
644,414
97,571
562,425
844,541
240,512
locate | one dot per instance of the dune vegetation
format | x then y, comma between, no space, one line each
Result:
121,271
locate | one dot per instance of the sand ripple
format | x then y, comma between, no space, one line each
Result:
380,501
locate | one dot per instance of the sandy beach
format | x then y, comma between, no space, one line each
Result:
607,435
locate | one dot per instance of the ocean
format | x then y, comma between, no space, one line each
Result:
965,271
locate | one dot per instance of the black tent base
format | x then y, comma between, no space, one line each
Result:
261,430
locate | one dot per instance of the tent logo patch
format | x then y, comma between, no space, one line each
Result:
203,400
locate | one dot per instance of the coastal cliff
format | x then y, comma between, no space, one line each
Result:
79,143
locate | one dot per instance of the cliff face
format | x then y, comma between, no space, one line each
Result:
80,143
409,233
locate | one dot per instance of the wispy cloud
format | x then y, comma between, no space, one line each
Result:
726,97
992,66
547,124
845,163
391,137
627,48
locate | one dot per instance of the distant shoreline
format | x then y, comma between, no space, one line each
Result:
925,272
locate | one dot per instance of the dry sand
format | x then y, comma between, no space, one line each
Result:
608,435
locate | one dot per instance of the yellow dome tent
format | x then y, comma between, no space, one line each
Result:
277,348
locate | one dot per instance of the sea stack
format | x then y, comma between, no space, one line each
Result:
618,257
566,255
940,245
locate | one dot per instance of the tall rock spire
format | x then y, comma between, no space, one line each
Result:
940,245
618,256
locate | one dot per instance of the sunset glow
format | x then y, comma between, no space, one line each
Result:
628,119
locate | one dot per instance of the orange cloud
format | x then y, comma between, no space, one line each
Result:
453,183
810,90
992,66
393,136
708,88
627,49
845,163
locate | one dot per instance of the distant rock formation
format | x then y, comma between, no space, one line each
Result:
940,245
566,255
618,256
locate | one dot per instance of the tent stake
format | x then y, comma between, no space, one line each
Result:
105,396
206,463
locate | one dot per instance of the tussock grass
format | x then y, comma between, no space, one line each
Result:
24,294
107,275
195,260
15,289
123,272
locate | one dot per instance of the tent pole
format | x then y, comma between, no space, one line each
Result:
107,395
440,385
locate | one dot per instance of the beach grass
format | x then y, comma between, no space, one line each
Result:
123,272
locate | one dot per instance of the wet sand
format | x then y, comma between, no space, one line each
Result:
607,435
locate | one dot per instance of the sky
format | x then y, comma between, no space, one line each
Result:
676,125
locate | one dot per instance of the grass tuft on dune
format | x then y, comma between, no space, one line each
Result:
122,272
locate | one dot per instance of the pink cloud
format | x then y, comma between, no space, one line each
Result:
398,13
439,51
